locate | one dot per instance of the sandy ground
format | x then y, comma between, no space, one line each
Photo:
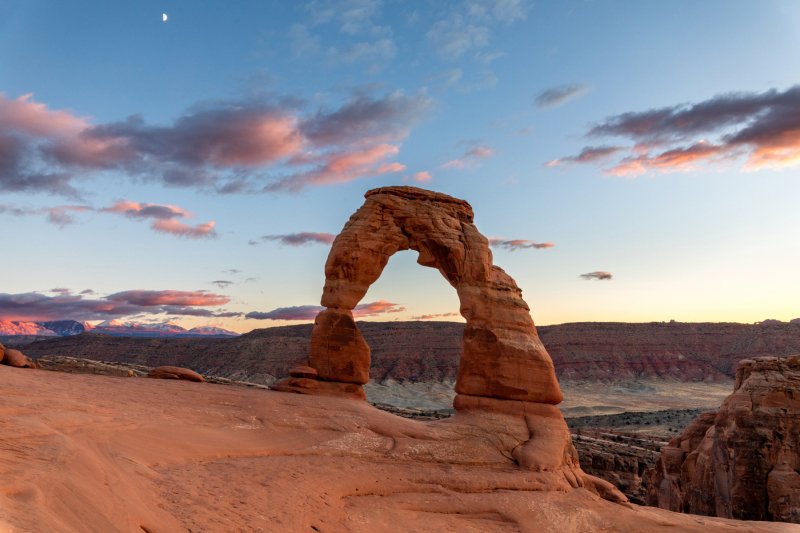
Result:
102,454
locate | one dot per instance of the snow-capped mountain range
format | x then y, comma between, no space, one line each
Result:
66,328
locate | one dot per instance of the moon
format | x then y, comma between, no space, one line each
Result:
164,17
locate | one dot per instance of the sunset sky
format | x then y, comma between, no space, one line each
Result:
631,161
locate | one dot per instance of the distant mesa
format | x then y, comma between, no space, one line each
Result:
743,461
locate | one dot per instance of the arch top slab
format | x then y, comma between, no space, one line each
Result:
502,356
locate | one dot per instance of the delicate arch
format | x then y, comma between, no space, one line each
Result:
502,356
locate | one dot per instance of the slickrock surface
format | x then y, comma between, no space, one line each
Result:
428,351
743,461
501,355
104,454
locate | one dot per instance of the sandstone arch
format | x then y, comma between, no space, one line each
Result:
502,357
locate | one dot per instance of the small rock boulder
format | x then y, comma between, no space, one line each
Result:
15,358
175,372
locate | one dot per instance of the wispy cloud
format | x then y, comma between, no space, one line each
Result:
467,26
297,239
165,218
556,96
470,157
518,244
600,275
360,37
309,312
590,154
266,144
222,283
38,306
61,215
761,128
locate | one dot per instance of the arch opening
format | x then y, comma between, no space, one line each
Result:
415,346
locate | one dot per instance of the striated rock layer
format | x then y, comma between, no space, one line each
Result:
743,461
501,355
429,351
504,368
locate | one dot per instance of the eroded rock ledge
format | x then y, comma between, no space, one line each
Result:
743,461
504,368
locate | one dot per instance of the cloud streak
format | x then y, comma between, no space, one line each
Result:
556,96
297,239
34,306
470,157
590,154
760,129
309,312
599,275
269,144
165,218
513,245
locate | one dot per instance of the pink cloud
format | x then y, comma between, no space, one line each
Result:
165,218
35,306
144,210
26,116
176,227
210,145
675,160
422,177
377,308
763,128
149,298
343,167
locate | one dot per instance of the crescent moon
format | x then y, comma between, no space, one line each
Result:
164,17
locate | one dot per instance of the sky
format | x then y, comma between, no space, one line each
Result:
629,161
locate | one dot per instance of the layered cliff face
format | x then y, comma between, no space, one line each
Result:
744,461
428,351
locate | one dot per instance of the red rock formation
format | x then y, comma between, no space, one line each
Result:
175,372
502,357
11,357
744,461
504,368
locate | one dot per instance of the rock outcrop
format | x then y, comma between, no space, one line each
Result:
743,461
504,368
136,455
175,372
501,358
12,357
